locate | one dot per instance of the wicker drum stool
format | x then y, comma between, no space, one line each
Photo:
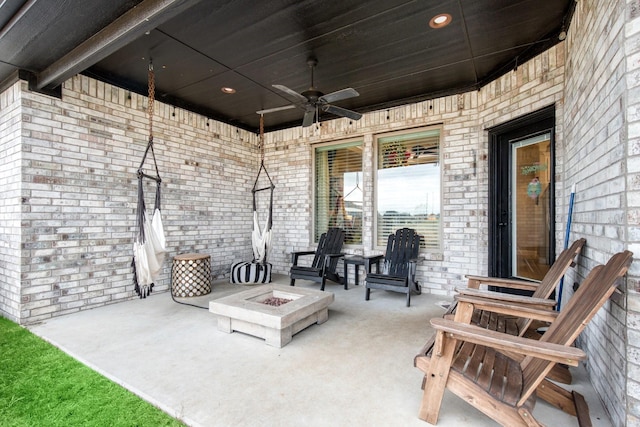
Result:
191,275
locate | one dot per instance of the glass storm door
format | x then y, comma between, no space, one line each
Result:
521,196
530,197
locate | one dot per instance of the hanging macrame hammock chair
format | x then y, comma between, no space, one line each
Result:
261,237
149,246
258,270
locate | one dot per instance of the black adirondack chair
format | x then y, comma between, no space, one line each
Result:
325,260
398,265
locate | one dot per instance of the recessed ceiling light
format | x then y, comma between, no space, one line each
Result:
440,20
228,90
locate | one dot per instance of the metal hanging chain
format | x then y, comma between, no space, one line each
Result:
152,96
262,138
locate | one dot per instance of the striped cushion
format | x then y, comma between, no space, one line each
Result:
250,272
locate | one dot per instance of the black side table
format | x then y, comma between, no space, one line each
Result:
358,260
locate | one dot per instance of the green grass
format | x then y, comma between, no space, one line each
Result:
41,385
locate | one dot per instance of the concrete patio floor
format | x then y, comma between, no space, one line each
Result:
354,370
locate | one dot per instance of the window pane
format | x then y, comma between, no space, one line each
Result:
338,190
408,186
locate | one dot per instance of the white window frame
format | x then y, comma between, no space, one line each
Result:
381,245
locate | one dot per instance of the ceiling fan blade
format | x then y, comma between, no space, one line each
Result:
338,111
291,93
309,115
273,110
339,95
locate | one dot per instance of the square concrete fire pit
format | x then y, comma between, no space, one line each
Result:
247,312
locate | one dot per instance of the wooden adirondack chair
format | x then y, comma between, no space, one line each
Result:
539,299
501,374
325,260
547,285
398,265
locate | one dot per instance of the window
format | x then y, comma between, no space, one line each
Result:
338,190
408,186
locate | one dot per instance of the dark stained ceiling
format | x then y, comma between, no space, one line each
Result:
385,49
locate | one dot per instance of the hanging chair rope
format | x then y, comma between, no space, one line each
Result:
141,210
262,238
149,244
262,167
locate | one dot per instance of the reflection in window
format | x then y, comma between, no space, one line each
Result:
338,190
408,186
530,201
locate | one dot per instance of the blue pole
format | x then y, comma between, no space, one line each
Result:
566,240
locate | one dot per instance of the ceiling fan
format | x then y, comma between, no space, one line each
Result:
313,100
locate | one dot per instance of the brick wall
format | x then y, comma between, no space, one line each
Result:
79,191
10,205
534,85
599,160
631,31
81,154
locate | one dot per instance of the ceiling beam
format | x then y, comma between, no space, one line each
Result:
17,17
144,17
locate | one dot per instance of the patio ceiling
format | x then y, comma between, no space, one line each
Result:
384,49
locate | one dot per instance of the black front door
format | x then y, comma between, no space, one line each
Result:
521,188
